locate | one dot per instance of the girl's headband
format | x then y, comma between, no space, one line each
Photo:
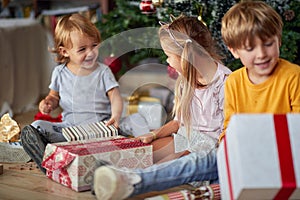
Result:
166,26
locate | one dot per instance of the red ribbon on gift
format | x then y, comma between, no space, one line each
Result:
56,168
288,178
227,169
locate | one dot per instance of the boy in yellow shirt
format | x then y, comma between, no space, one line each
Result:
266,83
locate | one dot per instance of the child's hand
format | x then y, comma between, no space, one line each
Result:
49,103
46,106
113,121
147,138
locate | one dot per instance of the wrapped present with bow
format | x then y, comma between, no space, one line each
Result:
259,157
148,107
72,164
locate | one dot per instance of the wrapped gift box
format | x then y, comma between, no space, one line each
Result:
73,163
204,192
89,131
180,195
259,158
149,107
13,152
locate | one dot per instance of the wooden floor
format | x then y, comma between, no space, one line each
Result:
23,182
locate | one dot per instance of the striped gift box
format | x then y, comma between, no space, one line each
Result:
179,195
89,131
204,192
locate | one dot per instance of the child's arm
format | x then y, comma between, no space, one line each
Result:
50,102
229,108
164,131
116,106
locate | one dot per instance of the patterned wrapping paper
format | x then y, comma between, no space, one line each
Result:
179,195
9,129
204,192
73,163
13,152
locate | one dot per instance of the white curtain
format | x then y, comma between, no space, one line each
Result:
25,63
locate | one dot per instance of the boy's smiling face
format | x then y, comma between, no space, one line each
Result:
260,58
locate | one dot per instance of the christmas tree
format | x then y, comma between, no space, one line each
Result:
128,15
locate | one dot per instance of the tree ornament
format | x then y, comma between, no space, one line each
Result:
289,15
114,63
200,10
147,7
157,2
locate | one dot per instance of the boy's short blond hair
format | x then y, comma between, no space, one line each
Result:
250,19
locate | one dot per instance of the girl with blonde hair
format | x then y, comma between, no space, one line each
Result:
198,102
198,119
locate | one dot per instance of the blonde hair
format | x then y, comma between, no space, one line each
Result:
68,24
181,37
249,19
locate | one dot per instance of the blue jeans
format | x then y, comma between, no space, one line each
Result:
189,168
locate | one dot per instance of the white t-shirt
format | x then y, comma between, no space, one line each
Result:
83,98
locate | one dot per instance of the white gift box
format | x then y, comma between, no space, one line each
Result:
153,113
259,157
150,109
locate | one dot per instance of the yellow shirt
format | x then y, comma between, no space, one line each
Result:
280,94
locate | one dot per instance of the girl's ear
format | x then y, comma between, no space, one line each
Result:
234,52
63,51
